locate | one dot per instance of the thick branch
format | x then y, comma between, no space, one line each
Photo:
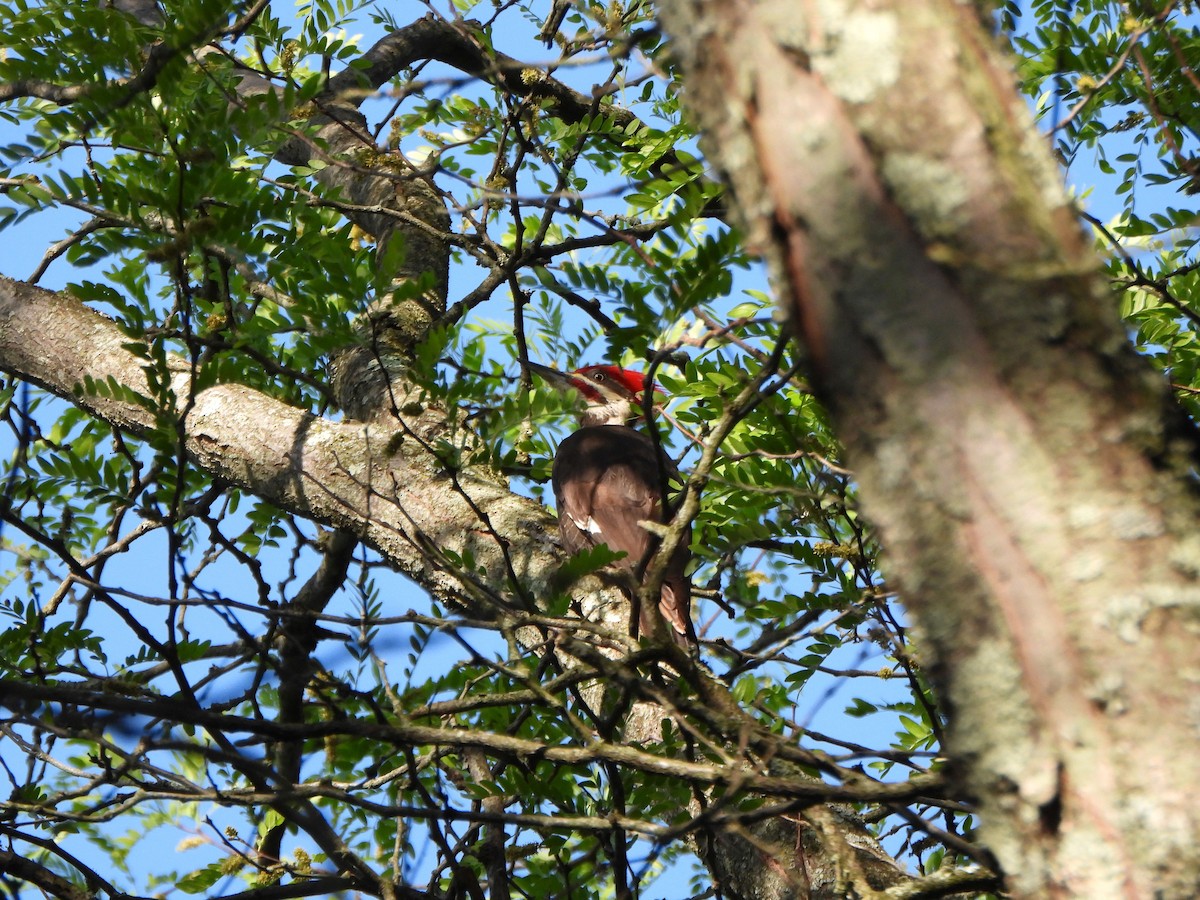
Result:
300,634
376,481
455,45
433,38
27,870
1033,486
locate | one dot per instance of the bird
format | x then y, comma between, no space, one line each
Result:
608,478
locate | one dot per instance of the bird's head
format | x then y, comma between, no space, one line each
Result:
612,395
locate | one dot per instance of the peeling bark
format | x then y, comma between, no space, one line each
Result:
1029,474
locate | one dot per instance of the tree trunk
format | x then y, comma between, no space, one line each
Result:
1031,479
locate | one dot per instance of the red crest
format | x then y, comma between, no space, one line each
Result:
630,380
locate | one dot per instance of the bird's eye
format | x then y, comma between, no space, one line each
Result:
597,376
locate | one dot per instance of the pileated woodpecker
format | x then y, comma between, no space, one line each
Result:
608,479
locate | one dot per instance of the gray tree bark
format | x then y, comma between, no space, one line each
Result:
1033,483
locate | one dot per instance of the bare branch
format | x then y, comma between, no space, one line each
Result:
29,871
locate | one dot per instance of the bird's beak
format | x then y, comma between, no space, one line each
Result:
553,377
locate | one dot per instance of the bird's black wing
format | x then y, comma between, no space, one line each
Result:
606,482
